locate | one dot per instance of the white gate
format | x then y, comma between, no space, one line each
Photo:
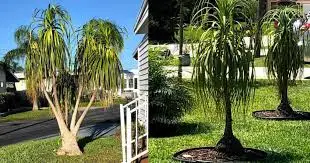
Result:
134,129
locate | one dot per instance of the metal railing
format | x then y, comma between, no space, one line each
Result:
134,140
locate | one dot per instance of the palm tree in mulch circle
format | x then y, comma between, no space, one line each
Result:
222,72
285,58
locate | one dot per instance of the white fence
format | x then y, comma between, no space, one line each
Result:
134,129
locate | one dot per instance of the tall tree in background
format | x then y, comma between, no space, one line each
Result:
285,58
96,67
22,38
181,38
258,36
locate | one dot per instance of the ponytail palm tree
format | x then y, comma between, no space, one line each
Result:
96,66
222,68
22,38
285,58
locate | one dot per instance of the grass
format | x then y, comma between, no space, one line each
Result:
284,141
107,149
260,62
28,115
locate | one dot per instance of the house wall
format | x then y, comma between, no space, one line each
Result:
2,80
143,66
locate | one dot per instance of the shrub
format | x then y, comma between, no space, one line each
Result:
7,102
168,98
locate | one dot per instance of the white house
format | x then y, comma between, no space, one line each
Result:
130,86
7,80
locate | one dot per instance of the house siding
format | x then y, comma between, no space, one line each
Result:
143,67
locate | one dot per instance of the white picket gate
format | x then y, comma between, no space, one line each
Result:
134,140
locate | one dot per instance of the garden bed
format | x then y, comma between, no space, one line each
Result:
209,154
276,115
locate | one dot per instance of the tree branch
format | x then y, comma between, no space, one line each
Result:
55,93
79,122
73,118
58,115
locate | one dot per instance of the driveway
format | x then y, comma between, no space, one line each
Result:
98,122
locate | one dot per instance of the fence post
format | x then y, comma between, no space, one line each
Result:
123,128
128,129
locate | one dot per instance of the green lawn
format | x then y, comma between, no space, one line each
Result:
101,150
285,141
260,62
28,115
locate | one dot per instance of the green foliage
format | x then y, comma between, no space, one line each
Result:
28,115
169,100
95,65
7,102
285,58
222,66
98,51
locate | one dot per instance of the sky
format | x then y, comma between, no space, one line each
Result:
124,13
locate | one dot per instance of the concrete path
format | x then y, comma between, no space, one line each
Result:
98,122
260,72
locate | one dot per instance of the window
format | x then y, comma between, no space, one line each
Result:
130,83
136,83
125,83
1,84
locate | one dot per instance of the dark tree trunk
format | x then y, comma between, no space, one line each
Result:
180,41
258,36
229,144
284,108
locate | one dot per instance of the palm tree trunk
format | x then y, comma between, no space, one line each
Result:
69,143
229,144
35,105
181,41
284,108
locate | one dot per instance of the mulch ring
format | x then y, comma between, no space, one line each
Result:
276,115
209,154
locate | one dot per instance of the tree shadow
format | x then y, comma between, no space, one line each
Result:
266,82
263,83
96,131
177,129
283,157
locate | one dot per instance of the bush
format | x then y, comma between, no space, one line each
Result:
168,98
21,96
7,102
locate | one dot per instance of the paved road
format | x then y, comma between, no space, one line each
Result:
98,122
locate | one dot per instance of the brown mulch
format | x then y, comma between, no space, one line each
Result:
209,154
276,115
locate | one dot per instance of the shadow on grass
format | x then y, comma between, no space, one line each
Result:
177,129
266,82
96,131
283,157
